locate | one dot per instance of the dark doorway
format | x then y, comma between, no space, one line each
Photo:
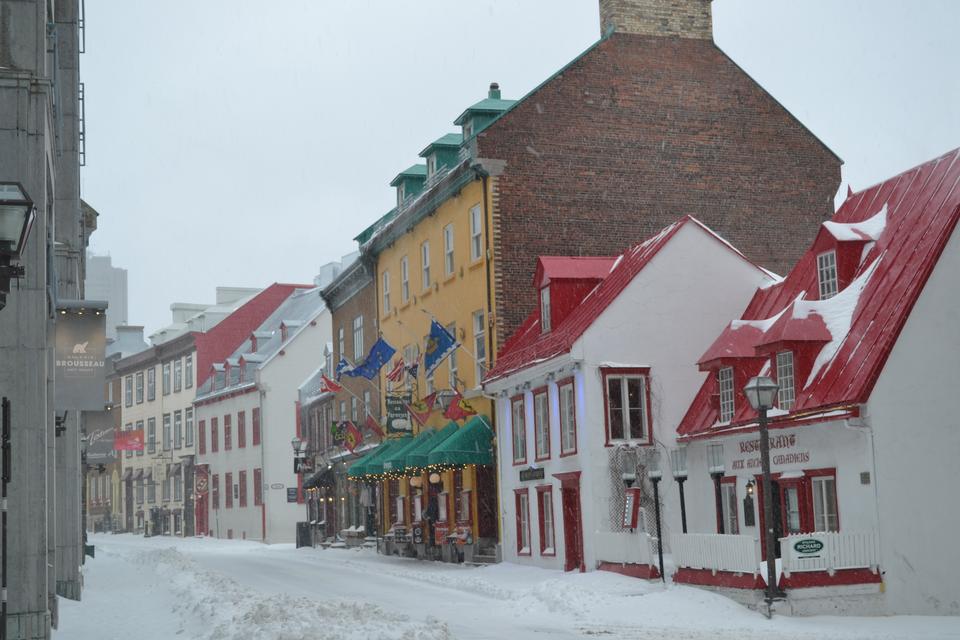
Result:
486,502
128,504
572,521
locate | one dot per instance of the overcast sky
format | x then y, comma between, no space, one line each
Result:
241,143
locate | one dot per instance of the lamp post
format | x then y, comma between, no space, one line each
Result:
16,218
655,475
716,468
761,392
299,455
678,463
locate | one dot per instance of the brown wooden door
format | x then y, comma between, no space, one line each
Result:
572,529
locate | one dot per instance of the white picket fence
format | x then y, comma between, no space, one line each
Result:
625,548
716,552
800,552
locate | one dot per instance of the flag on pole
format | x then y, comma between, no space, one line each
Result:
380,354
374,426
414,368
440,344
352,438
336,432
459,408
343,367
128,440
421,409
328,385
396,374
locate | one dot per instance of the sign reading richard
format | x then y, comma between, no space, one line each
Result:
80,355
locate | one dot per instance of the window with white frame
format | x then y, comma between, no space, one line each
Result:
431,165
386,292
151,435
177,486
410,355
545,512
452,358
728,499
178,429
476,233
448,250
725,384
166,379
366,402
404,279
400,194
425,264
568,418
358,338
343,409
827,274
151,384
523,522
825,503
177,375
479,345
139,389
518,424
341,343
188,371
167,435
785,394
354,411
545,309
128,391
140,429
188,427
541,423
627,411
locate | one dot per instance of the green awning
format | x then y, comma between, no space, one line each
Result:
471,444
393,463
359,468
375,466
417,457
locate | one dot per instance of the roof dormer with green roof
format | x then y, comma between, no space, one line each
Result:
442,153
478,117
409,182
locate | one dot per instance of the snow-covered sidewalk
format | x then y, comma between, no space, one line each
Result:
224,590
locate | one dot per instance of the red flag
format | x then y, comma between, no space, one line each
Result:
396,374
128,440
374,426
352,438
326,384
459,408
421,409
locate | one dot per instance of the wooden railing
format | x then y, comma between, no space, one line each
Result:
626,548
829,552
716,552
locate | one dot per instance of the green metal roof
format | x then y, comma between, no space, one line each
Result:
417,456
394,462
416,171
487,105
362,466
449,140
471,444
367,233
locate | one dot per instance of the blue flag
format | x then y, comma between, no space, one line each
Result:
343,367
380,354
439,345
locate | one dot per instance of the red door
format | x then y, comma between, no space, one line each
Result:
572,521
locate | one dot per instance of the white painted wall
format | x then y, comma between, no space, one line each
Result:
665,319
917,439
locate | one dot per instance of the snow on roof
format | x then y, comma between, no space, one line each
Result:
905,221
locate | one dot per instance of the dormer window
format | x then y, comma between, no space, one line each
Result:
431,165
545,309
253,343
725,384
400,194
467,129
786,394
283,332
827,274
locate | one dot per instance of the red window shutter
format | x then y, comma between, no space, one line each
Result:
214,436
241,429
243,488
216,491
227,435
255,419
202,437
257,487
228,487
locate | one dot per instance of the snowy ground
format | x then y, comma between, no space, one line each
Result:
162,588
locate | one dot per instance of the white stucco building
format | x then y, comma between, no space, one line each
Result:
591,387
247,414
863,338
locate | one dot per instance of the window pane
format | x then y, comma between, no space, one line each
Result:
825,504
615,407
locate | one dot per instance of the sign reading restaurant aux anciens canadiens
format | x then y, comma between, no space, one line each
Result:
80,355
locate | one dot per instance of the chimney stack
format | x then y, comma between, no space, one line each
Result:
668,18
494,92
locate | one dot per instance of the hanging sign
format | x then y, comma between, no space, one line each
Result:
631,508
398,419
80,355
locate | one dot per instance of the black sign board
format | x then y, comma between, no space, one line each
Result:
291,494
398,419
531,474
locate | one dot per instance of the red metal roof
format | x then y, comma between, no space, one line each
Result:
528,346
222,340
862,322
571,268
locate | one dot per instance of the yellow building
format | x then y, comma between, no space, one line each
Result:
433,260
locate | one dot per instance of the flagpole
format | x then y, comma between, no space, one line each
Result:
459,344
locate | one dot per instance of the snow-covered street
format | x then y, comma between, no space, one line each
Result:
159,588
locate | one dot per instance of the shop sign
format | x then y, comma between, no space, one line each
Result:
808,546
398,419
531,474
80,361
291,494
785,450
440,534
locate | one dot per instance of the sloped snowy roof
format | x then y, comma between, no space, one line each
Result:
905,222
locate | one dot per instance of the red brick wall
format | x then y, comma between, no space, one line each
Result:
638,132
364,303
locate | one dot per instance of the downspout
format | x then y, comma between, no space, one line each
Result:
264,495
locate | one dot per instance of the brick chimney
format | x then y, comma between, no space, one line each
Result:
670,18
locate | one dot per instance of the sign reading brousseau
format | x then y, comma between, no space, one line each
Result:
80,356
398,418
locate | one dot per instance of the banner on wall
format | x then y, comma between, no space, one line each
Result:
80,355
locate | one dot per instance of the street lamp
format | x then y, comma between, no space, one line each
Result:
678,463
716,468
16,217
655,475
761,392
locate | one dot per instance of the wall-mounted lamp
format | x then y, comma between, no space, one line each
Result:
751,487
17,214
434,478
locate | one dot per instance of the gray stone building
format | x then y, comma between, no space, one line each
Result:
41,146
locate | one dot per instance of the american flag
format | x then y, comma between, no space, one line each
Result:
396,373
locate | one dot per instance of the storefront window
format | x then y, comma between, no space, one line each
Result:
825,504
